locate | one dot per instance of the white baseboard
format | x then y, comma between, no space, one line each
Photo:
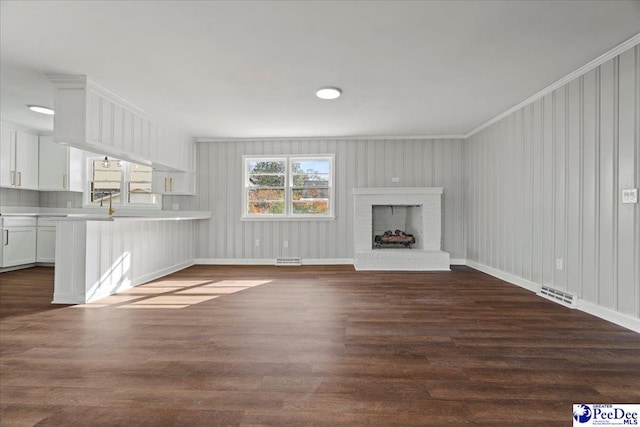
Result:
161,273
327,261
235,261
507,277
604,313
458,261
16,267
623,320
267,261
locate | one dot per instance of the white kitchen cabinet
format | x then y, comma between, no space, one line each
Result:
60,167
46,241
26,160
19,153
92,118
7,144
18,241
176,183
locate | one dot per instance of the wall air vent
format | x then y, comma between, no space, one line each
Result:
288,261
560,297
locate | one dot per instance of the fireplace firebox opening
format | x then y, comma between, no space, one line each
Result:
396,226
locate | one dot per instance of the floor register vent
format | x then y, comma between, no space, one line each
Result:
288,261
555,295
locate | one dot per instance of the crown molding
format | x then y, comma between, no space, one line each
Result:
331,138
622,47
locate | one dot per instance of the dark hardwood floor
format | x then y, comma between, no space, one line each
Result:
305,346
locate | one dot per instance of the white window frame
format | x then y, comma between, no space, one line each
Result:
288,215
124,188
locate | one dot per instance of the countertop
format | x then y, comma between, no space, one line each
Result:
90,214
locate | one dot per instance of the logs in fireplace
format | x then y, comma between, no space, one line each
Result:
397,237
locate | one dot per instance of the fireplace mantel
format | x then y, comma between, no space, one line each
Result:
429,257
398,191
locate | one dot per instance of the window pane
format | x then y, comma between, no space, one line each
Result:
265,166
266,181
140,192
315,207
266,208
140,173
311,180
313,201
266,194
310,194
311,165
106,180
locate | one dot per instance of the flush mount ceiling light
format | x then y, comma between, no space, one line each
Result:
328,93
40,109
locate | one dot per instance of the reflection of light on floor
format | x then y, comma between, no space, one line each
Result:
243,283
116,298
91,305
169,301
176,299
152,306
212,291
149,290
168,283
173,294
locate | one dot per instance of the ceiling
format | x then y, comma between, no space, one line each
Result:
251,69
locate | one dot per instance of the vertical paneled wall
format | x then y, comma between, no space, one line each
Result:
358,163
17,197
544,184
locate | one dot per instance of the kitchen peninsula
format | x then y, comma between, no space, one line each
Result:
97,255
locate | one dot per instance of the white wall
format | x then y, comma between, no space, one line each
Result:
545,182
18,197
359,163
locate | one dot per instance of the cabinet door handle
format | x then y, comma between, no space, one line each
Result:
13,177
6,237
19,179
64,181
171,184
165,184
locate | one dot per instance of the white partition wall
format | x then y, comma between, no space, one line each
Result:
98,258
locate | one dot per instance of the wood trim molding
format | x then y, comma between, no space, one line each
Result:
332,138
271,261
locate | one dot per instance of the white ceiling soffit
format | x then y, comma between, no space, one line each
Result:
251,69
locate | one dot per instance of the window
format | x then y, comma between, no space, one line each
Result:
123,182
288,186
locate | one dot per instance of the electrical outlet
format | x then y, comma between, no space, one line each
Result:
558,263
175,207
257,242
630,195
395,179
285,243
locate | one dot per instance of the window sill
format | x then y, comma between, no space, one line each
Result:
287,218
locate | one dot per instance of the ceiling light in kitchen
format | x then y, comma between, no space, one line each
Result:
40,109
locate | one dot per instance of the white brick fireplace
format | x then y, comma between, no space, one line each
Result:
426,254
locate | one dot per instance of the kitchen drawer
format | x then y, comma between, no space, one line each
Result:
17,221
